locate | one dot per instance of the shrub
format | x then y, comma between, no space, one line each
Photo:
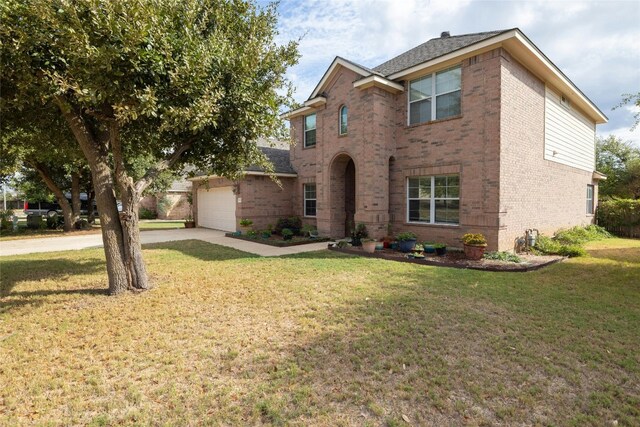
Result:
293,223
308,229
55,222
246,222
620,216
405,235
144,213
502,256
360,232
550,246
252,234
265,234
287,234
578,235
474,239
6,219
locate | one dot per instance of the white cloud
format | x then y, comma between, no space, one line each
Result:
593,42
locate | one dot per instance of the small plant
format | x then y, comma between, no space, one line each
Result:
252,234
246,222
405,236
265,234
503,256
287,234
144,213
549,246
439,246
343,244
578,235
293,223
474,239
418,248
6,217
309,230
359,233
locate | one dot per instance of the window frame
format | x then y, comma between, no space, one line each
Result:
432,201
346,121
305,199
433,97
590,199
305,130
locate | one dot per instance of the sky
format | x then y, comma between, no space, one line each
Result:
595,43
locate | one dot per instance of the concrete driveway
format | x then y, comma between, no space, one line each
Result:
67,243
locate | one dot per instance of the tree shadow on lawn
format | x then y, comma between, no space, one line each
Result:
199,249
57,270
442,347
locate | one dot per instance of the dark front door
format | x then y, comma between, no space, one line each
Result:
349,197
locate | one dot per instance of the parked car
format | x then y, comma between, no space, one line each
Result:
50,209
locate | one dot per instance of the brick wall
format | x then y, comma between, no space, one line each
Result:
258,198
534,193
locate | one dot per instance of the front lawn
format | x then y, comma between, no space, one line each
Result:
322,338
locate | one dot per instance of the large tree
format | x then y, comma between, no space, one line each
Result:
620,162
170,81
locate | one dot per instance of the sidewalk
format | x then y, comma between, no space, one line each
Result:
66,243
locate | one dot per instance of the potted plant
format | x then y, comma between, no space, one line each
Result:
358,234
474,245
406,241
266,234
440,248
245,224
189,222
429,247
287,234
369,245
379,246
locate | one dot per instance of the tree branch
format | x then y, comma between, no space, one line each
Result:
163,165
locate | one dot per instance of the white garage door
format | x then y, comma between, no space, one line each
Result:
217,208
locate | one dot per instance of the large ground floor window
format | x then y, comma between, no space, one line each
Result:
433,199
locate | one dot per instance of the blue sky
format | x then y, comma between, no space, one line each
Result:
595,43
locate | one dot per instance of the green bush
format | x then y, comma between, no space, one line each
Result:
293,223
406,235
287,234
6,219
144,213
579,235
549,246
502,256
620,216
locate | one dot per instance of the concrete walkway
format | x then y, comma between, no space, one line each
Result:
67,243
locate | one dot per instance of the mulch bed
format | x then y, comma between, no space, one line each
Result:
456,259
276,240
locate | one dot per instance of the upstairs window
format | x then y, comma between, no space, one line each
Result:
590,199
343,120
310,130
435,96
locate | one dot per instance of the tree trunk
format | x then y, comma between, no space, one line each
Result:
68,214
97,156
130,198
91,198
75,194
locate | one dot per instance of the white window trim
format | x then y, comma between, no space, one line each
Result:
304,198
593,193
432,97
432,199
340,121
304,130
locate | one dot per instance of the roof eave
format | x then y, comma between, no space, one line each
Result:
327,74
380,82
255,173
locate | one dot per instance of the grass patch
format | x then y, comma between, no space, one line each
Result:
228,338
160,225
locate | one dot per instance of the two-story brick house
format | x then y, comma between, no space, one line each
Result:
472,133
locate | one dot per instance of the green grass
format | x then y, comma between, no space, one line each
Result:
160,225
227,338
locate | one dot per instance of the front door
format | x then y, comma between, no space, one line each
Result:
349,197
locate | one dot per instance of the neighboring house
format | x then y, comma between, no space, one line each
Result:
474,133
172,204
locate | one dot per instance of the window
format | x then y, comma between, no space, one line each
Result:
434,199
435,96
309,200
590,199
343,120
310,130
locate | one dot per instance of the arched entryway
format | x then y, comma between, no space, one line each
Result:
343,195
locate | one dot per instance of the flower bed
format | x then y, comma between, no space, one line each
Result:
457,259
275,240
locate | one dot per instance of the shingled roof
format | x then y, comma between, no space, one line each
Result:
280,159
432,49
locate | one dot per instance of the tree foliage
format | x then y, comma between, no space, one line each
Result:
620,162
146,87
631,99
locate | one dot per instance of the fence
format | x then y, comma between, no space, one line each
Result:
620,217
